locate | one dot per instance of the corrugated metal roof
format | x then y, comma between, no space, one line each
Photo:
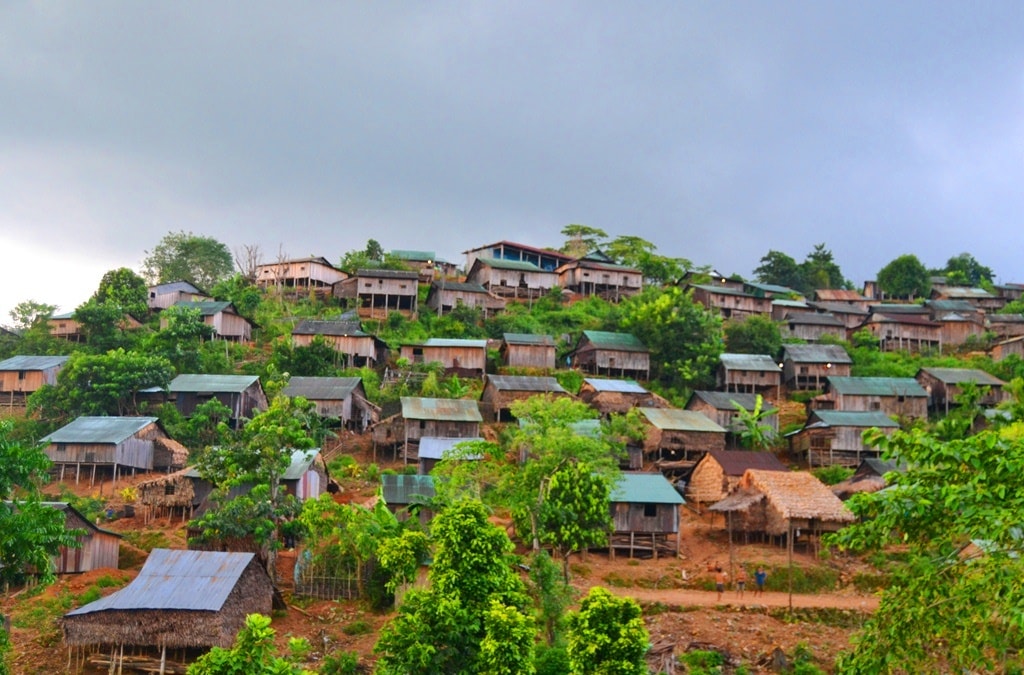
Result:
790,303
172,286
529,339
876,386
525,383
322,388
722,400
645,488
749,362
32,362
212,383
838,295
418,256
301,461
898,308
905,319
432,447
814,319
444,409
816,353
518,265
460,286
177,580
735,462
335,327
961,375
454,342
205,307
963,292
723,290
839,308
400,489
673,419
66,507
854,418
618,386
951,306
99,430
772,288
624,342
388,274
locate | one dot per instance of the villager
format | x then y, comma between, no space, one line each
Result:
741,580
721,577
760,577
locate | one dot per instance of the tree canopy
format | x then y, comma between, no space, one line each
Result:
964,270
905,277
754,335
125,289
184,256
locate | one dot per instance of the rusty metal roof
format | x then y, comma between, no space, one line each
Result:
322,388
99,430
442,409
645,488
673,419
177,580
32,362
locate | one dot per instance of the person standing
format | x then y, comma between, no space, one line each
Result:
721,577
760,577
741,581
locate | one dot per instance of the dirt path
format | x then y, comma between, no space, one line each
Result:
679,597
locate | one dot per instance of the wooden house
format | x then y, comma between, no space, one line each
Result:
680,435
617,396
597,274
458,357
812,326
979,297
407,495
542,258
957,329
177,494
438,417
809,366
720,407
900,397
940,308
243,394
1010,291
786,504
750,373
377,293
645,516
729,302
23,375
944,385
313,273
523,350
718,473
425,263
227,324
833,437
432,450
444,296
869,476
162,296
851,316
614,354
97,548
347,338
771,291
501,391
842,295
782,308
1005,326
179,600
341,398
904,332
66,327
516,279
306,476
109,444
1006,348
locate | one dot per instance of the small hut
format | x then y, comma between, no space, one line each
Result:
808,366
109,444
605,353
812,327
465,358
355,347
444,296
225,320
678,437
719,471
750,373
342,398
645,515
242,393
438,417
178,493
190,600
98,548
617,396
22,375
868,477
501,391
377,293
406,495
721,407
895,396
945,384
832,437
1006,348
524,350
162,296
432,451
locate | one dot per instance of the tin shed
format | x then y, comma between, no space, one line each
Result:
645,515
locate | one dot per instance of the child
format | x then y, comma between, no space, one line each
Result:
760,576
720,578
741,581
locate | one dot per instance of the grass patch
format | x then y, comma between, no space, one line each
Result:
616,580
703,662
869,583
826,616
357,627
40,615
147,540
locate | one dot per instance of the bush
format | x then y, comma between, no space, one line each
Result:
357,627
340,663
830,475
703,662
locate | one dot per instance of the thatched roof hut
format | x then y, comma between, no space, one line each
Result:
180,492
180,599
718,472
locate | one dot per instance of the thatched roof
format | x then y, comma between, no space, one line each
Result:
177,451
797,495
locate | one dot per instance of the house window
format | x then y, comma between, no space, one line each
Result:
423,425
650,510
168,489
901,399
876,405
62,447
21,374
803,370
403,286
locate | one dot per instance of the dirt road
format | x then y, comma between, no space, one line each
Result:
679,597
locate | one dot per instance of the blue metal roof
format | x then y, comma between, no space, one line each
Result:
645,488
99,430
432,447
619,386
32,362
177,580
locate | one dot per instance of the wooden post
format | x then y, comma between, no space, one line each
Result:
789,553
163,659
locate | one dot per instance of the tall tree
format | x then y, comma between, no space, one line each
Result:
582,239
125,289
105,325
575,511
184,256
905,277
607,635
754,335
779,269
819,270
964,270
29,312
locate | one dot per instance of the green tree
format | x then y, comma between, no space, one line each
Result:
105,325
964,270
819,270
607,636
318,359
755,434
473,598
629,249
241,293
754,335
253,653
180,338
779,269
29,312
945,611
905,277
551,595
126,289
684,339
184,256
582,239
507,645
99,384
575,511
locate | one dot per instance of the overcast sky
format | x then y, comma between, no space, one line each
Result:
715,130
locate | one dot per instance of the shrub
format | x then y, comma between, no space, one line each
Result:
703,662
340,663
830,475
357,627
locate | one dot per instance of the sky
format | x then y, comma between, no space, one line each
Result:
716,130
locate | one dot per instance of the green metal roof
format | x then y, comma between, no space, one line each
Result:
205,307
99,430
623,342
454,342
877,386
961,375
854,418
749,362
529,339
816,353
723,290
445,409
673,419
645,488
518,265
418,256
32,362
722,400
322,388
212,384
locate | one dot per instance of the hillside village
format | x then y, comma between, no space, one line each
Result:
206,442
